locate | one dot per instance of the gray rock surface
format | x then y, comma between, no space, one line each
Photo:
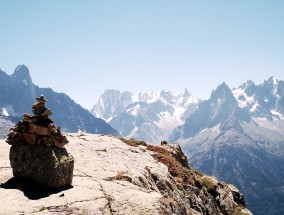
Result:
112,177
48,166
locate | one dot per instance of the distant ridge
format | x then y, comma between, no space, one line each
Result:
149,116
18,93
238,136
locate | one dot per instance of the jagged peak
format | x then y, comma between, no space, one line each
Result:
221,90
186,93
169,94
107,91
114,92
247,84
21,68
223,87
3,73
272,80
22,72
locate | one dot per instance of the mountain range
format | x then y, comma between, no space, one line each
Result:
149,116
236,135
18,93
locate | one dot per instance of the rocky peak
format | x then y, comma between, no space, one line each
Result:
272,80
222,104
167,95
249,88
186,93
222,91
111,103
247,84
2,73
270,86
4,78
22,73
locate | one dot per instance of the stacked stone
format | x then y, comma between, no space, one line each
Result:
37,129
31,159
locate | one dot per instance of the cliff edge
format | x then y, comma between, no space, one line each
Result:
119,176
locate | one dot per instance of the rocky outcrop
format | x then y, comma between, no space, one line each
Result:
48,166
116,177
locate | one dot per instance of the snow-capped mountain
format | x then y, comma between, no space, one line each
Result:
111,103
238,136
263,101
18,93
149,116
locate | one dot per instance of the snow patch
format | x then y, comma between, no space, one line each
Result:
216,128
247,101
80,132
148,97
168,121
134,110
205,129
274,112
254,107
4,112
8,111
132,133
135,98
25,82
261,119
275,85
275,81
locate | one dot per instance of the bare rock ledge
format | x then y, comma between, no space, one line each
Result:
115,177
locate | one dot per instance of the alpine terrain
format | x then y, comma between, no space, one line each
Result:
117,177
18,93
238,136
149,116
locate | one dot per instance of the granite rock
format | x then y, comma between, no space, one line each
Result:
48,166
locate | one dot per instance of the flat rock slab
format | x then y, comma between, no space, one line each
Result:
98,160
47,166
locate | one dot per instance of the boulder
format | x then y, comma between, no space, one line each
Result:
48,166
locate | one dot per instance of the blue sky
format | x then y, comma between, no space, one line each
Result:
82,48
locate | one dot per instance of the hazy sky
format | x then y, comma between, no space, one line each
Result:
82,48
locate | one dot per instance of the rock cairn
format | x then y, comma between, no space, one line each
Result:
37,153
38,129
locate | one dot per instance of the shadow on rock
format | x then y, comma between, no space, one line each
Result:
30,189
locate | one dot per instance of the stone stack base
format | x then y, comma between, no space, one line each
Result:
48,166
